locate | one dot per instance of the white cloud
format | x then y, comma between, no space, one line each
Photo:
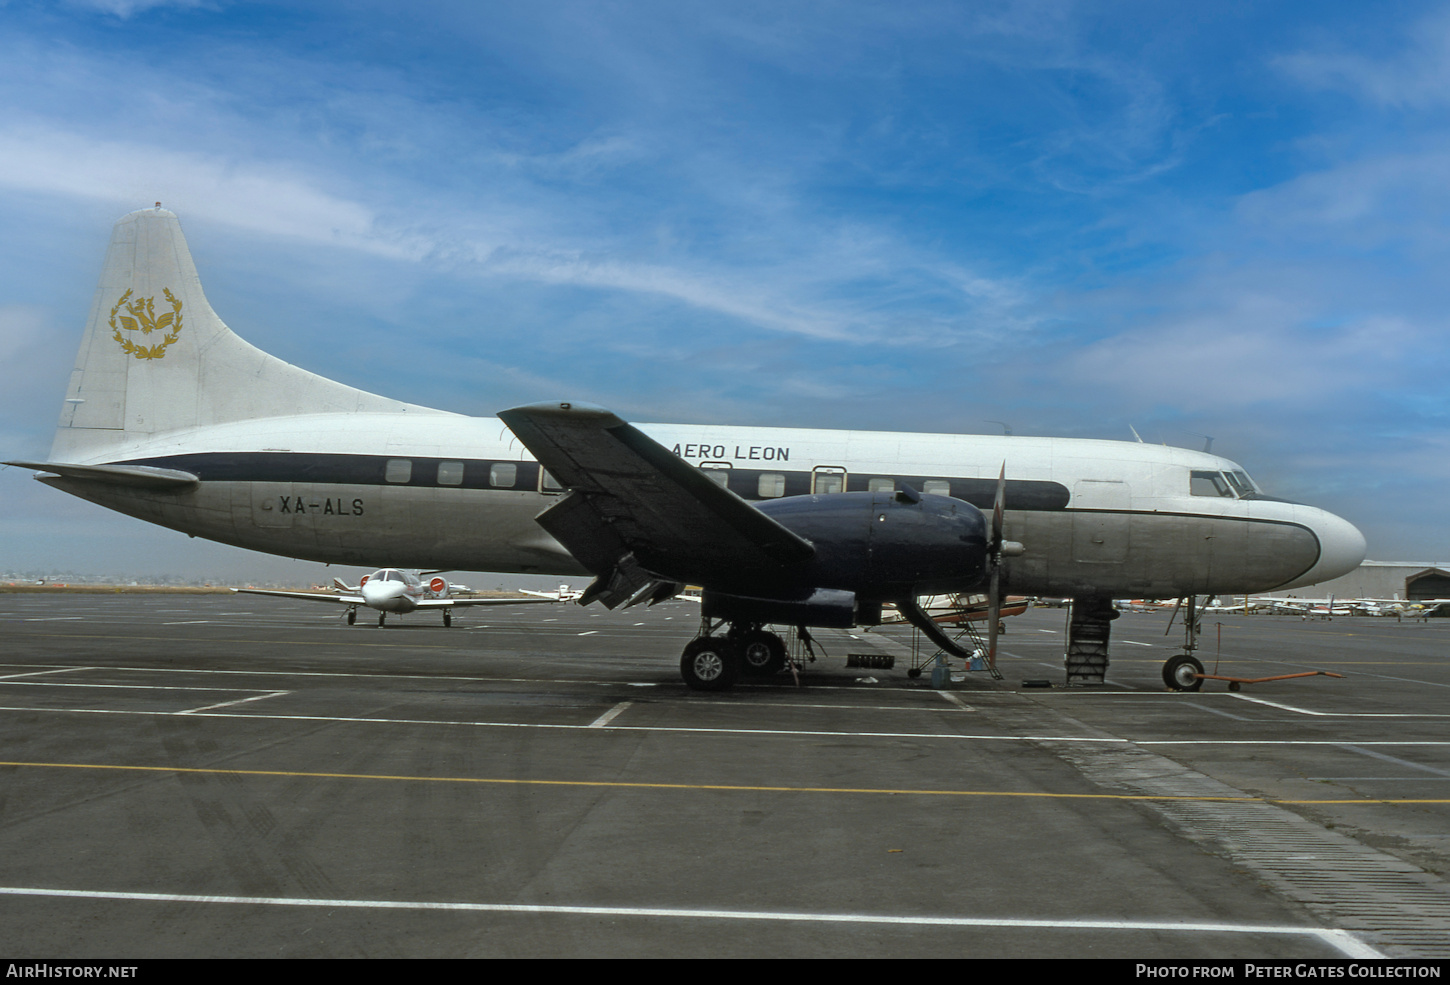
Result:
124,9
259,197
1392,197
1417,76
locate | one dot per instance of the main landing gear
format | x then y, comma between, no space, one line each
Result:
715,663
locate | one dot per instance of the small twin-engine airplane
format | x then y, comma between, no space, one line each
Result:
393,590
171,417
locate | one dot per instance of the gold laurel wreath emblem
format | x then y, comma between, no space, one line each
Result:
142,318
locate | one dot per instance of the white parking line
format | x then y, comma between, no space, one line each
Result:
610,715
123,687
38,673
1339,714
228,704
1343,942
956,701
801,733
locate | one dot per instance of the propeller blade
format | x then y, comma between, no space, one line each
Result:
994,585
994,616
998,505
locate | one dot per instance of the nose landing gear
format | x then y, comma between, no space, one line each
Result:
1183,673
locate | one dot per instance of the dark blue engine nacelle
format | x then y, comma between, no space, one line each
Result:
870,548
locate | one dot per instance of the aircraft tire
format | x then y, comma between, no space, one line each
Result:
710,663
762,654
447,618
1180,673
351,616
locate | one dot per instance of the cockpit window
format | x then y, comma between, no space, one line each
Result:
1209,484
1245,485
1235,484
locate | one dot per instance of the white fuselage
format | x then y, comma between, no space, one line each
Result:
437,490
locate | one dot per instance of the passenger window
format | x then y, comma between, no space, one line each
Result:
503,475
881,485
937,487
399,470
548,483
828,481
450,473
771,485
1209,484
721,477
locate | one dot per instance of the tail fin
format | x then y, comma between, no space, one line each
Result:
156,358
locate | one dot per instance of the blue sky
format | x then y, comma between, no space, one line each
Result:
1212,219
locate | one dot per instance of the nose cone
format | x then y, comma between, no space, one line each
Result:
1341,547
386,596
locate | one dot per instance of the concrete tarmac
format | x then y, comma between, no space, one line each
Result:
234,776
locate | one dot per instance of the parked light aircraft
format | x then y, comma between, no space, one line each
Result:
1332,606
1327,608
171,417
1245,606
393,590
563,594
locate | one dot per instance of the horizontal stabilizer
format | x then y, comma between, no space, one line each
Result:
138,476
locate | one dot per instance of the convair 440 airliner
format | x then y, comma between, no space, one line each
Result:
172,418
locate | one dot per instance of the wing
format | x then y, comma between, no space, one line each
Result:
450,603
641,518
306,596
